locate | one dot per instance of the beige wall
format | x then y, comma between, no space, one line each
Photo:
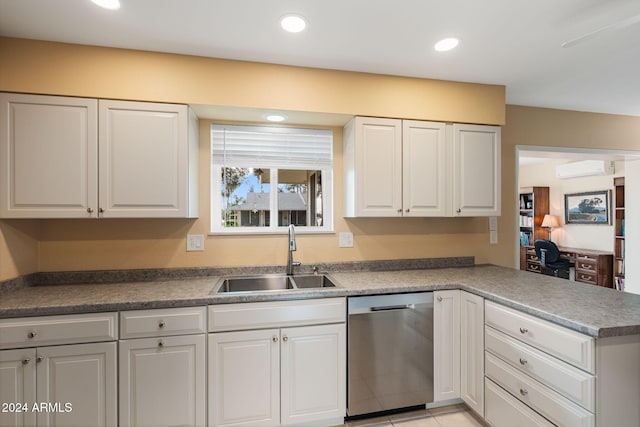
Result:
55,245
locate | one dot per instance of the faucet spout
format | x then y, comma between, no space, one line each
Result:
292,248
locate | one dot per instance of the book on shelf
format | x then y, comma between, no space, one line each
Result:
619,283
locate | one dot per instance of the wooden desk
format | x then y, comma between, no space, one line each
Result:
592,267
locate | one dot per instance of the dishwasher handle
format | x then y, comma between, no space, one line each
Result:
393,307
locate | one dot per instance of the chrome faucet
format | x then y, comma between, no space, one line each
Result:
292,248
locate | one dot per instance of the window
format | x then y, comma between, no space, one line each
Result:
265,178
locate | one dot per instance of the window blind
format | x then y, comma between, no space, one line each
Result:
271,147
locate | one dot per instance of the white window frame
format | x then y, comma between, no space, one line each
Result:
216,226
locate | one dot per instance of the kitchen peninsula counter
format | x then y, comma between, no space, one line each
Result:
592,310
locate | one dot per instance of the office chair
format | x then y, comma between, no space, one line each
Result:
549,256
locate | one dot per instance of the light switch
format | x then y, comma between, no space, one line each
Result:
493,237
493,223
345,239
195,242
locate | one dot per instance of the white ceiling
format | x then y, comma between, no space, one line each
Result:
514,43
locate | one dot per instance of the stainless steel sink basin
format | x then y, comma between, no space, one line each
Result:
313,281
253,284
272,283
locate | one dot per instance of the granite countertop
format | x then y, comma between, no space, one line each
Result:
592,310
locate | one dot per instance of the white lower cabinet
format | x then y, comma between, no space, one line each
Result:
472,351
53,373
446,345
163,377
278,376
162,381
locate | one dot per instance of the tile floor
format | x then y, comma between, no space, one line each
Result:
448,416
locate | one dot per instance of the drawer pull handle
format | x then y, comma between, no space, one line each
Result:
523,330
161,324
523,392
32,334
39,359
161,343
285,338
523,361
26,360
439,299
274,339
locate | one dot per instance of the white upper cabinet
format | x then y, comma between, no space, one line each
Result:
373,167
476,170
48,156
144,159
68,157
424,173
415,168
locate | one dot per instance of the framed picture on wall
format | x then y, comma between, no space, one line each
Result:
592,207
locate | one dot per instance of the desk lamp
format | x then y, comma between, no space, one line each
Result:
550,222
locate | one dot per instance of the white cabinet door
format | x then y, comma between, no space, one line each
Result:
48,156
143,159
476,170
79,380
472,351
313,373
424,168
162,381
446,345
17,387
244,378
374,169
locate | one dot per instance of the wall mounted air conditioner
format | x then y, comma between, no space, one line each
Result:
585,168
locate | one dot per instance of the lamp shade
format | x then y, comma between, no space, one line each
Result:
550,221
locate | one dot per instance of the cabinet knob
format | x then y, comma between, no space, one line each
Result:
26,360
399,211
439,298
161,324
285,338
274,339
161,343
459,210
523,392
101,210
523,330
32,334
39,359
407,210
523,361
90,210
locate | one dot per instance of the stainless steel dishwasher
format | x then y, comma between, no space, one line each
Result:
390,352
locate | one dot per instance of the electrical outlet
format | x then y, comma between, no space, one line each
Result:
195,242
345,239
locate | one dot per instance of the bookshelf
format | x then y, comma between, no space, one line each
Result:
534,205
618,264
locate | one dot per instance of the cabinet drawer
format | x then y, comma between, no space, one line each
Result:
533,266
161,322
53,330
586,258
504,410
572,347
571,382
262,315
531,256
585,265
586,277
548,403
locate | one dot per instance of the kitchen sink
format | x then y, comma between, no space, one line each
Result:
272,283
313,281
257,283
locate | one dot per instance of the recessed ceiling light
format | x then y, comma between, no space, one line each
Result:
275,117
108,4
446,44
293,23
